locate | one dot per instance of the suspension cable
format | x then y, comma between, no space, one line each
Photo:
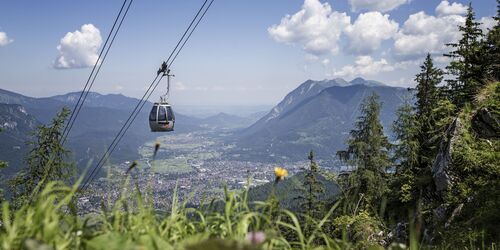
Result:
90,83
146,96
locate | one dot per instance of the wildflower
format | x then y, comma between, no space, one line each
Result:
280,173
256,237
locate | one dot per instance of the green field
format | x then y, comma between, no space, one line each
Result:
171,166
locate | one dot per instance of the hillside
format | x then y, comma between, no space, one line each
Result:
97,124
289,190
15,125
318,119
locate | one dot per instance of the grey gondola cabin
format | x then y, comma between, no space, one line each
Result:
161,118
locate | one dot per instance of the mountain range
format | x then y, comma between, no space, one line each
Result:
317,115
98,122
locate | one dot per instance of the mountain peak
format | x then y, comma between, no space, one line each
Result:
358,80
362,81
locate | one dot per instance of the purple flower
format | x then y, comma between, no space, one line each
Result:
256,237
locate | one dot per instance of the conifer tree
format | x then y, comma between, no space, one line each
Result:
313,188
405,129
467,65
491,48
427,94
427,87
368,150
46,161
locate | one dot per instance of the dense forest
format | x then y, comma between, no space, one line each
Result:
437,185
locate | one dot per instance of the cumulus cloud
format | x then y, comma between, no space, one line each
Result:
368,32
316,28
487,23
376,5
445,9
423,34
4,39
364,66
79,49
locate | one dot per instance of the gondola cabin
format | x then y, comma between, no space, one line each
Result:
161,118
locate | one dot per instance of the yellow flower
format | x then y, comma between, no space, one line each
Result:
280,172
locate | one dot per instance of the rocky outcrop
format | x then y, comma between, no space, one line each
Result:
486,123
441,165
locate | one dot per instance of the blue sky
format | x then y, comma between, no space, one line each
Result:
243,53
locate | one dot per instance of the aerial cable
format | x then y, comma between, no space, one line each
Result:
98,64
146,95
185,32
185,41
118,136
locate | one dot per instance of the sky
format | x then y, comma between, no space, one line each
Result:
243,53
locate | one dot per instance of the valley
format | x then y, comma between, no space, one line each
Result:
193,162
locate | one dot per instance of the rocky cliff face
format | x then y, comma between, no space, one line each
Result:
486,123
466,170
441,166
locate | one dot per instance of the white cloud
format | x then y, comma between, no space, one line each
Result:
79,49
316,28
368,32
422,34
376,5
487,23
179,86
4,39
364,66
445,9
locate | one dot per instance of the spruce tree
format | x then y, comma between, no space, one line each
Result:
491,48
368,150
427,94
427,87
467,65
46,161
405,129
313,188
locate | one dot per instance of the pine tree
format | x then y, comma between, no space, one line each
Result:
428,97
491,48
314,188
427,87
46,161
405,129
368,150
467,65
402,184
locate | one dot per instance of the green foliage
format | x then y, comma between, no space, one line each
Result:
491,48
45,162
468,64
406,149
368,150
361,228
312,189
131,223
476,172
427,88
